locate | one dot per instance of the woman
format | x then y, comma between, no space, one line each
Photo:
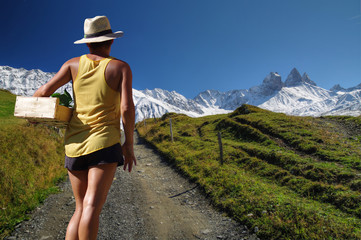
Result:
102,88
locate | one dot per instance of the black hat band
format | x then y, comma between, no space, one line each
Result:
98,34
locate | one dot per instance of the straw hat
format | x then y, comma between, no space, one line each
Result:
97,29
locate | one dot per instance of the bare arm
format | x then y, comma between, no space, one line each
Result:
60,78
128,116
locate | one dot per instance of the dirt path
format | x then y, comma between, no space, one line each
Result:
153,202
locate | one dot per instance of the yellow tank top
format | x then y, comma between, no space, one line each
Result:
95,123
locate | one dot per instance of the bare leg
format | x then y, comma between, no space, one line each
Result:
79,183
100,179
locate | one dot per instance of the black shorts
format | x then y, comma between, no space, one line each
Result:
103,156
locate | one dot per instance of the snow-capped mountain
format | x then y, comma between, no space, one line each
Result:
24,82
298,95
157,102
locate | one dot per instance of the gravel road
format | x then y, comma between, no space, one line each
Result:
152,202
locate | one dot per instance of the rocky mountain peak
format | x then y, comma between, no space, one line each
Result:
293,79
271,83
273,80
337,88
307,79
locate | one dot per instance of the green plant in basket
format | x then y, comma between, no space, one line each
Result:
65,99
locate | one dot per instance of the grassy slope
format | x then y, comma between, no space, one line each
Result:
31,163
288,177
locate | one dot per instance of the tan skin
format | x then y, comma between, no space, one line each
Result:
90,187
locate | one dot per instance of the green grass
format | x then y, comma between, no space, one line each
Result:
7,105
31,159
291,177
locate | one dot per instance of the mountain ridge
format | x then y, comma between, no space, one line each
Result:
297,95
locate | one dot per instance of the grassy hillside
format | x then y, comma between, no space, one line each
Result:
285,177
31,158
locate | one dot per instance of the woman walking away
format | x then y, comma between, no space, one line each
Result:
102,87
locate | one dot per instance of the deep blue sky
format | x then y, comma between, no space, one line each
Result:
193,45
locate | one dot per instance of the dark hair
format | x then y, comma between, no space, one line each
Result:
97,45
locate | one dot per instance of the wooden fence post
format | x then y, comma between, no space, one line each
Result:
220,147
171,131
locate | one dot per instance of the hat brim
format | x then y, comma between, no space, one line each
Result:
103,38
